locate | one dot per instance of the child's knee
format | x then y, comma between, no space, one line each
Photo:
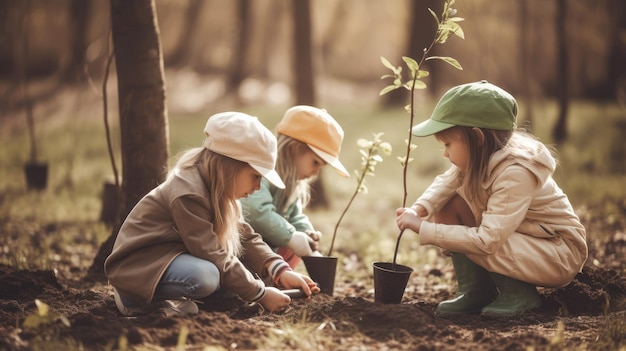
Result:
456,212
208,282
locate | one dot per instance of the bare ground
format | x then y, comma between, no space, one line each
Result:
589,313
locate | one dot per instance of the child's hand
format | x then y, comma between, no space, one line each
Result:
274,300
420,210
295,280
316,236
301,244
407,218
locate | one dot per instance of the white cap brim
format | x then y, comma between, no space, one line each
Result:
270,175
331,160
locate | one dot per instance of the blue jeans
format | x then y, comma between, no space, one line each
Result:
187,276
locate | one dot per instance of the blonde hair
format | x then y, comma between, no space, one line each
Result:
221,173
480,148
288,150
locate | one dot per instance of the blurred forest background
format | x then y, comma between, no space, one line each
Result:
567,57
533,48
226,55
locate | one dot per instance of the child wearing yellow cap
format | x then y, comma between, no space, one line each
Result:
308,139
497,211
185,239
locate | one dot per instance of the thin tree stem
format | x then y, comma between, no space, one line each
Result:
345,210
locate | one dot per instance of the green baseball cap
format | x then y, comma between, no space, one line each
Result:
479,104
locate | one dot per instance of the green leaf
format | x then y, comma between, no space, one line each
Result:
388,88
65,321
411,63
434,16
33,321
361,142
42,308
363,189
454,28
459,33
454,63
387,64
421,74
418,84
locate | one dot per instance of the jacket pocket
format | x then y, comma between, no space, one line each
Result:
536,230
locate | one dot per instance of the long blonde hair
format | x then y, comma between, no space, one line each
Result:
221,172
288,150
481,144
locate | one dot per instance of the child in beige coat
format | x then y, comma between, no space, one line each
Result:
497,211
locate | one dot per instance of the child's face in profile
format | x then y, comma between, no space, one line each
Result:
455,148
308,165
248,180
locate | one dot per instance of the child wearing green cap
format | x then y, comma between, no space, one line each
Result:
308,139
497,212
185,239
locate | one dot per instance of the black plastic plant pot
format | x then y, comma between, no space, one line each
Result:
36,175
390,281
322,270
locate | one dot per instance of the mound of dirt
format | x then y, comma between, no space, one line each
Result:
346,322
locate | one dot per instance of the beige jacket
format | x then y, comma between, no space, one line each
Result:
527,228
174,218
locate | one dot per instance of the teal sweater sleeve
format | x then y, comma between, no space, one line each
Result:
275,227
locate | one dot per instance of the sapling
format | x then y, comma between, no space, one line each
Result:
370,156
447,25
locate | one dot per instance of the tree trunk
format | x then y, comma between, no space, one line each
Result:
181,54
303,63
303,73
559,133
238,69
143,117
616,10
80,11
525,59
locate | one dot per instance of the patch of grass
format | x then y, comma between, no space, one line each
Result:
591,174
613,333
302,334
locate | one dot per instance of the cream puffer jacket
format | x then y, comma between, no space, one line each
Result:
527,228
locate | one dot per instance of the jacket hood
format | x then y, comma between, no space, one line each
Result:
527,152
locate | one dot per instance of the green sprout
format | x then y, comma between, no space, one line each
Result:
370,156
43,316
447,25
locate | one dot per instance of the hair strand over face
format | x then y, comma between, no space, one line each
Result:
481,144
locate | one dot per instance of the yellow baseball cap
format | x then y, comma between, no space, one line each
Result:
316,128
243,137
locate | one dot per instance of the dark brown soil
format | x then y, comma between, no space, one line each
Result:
587,314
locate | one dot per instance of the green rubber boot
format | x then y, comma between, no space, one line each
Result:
515,297
475,289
